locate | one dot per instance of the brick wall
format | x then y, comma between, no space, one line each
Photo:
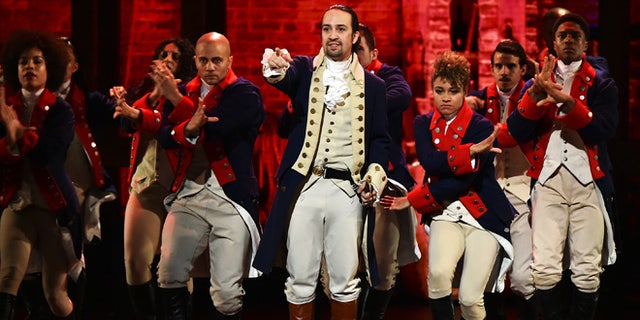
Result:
144,24
54,16
294,24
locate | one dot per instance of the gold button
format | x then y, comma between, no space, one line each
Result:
318,170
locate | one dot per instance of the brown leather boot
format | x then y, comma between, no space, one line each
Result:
301,311
344,310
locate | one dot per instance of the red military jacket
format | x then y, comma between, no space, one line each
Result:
11,165
577,119
76,99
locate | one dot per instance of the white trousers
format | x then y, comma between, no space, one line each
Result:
325,221
194,222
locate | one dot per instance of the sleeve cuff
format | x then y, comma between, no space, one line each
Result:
150,120
422,200
529,109
578,118
181,138
183,111
377,176
459,160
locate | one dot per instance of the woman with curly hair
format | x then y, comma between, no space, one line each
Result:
151,170
463,207
36,195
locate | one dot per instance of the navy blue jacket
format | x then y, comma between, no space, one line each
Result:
296,85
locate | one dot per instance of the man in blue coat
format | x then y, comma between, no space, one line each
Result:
214,199
565,118
337,150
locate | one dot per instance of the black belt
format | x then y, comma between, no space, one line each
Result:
330,173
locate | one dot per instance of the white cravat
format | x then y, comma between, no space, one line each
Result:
333,78
566,72
504,101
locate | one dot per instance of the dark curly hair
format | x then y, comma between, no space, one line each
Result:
185,71
454,68
53,51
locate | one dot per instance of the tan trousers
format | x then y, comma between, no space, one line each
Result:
143,219
567,213
448,243
20,232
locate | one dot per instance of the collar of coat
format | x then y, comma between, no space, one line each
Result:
213,97
42,106
374,66
458,126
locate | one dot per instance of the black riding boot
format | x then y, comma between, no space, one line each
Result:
376,304
32,296
494,306
365,288
202,306
442,308
217,315
143,300
583,305
551,303
176,303
7,304
527,309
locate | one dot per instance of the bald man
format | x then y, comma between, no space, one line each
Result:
214,199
